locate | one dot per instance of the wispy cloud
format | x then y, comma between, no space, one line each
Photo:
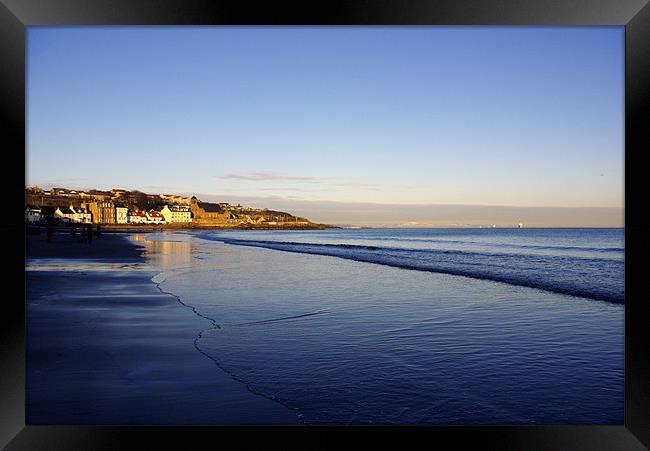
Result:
362,185
330,182
268,176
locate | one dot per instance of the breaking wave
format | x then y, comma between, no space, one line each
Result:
588,277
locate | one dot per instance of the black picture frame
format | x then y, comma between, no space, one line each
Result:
16,15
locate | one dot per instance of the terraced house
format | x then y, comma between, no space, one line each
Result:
176,213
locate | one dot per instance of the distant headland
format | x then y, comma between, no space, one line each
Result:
119,208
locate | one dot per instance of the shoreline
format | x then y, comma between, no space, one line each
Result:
107,346
181,227
40,230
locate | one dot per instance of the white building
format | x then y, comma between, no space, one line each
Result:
70,214
145,217
155,217
176,213
137,217
121,215
82,215
66,214
32,214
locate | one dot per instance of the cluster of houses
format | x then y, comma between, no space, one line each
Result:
119,206
34,214
107,213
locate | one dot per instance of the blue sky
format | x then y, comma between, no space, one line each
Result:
507,116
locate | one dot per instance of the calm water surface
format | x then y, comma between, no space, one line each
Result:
405,326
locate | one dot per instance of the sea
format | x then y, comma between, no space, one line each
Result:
488,326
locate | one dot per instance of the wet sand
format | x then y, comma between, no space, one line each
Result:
105,346
106,247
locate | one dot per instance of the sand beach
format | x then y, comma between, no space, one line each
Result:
106,346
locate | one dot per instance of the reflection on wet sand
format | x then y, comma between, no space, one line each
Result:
166,254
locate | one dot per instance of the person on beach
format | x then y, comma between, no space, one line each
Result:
98,230
83,234
72,231
89,233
